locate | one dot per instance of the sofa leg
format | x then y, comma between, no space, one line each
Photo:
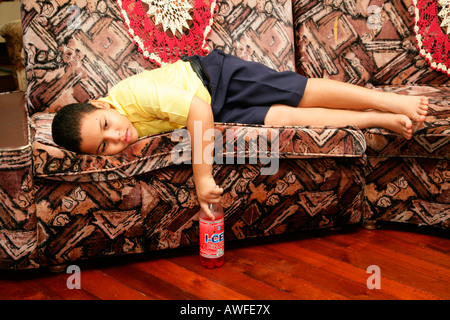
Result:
369,224
58,268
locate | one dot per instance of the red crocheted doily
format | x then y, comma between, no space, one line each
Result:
432,28
166,29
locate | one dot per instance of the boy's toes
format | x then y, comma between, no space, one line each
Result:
424,103
407,124
417,117
407,133
423,107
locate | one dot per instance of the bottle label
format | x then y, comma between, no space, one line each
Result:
211,238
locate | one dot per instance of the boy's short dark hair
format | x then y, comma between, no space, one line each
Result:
66,126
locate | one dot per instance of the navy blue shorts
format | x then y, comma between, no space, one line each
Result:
243,91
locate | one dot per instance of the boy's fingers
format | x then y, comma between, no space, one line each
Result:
214,195
205,207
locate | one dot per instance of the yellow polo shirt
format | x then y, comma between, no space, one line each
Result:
158,100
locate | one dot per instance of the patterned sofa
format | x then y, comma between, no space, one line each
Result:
58,207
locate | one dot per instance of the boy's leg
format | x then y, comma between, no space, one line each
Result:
335,94
280,115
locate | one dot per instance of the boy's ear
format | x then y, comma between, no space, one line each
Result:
100,104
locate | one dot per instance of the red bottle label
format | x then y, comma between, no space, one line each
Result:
211,238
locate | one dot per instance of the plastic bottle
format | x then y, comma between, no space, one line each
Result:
212,237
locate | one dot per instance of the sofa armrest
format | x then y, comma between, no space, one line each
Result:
18,234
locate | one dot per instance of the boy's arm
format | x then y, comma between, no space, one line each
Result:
200,121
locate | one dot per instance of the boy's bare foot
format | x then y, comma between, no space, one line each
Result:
399,123
415,107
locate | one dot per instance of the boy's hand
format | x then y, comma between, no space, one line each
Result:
208,192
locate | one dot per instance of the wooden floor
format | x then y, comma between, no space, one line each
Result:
414,263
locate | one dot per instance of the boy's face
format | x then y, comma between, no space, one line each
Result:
106,132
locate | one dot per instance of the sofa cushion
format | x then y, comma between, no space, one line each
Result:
238,144
361,42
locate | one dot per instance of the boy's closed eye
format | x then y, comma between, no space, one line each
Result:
102,147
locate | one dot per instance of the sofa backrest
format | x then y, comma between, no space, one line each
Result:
76,50
361,42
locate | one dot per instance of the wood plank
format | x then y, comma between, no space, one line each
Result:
189,281
396,281
226,276
19,290
107,288
278,280
55,287
431,238
395,242
408,256
419,274
148,284
297,268
425,259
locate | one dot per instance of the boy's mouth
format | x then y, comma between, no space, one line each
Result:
127,137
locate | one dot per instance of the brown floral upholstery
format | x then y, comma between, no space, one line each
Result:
361,42
94,50
18,224
373,44
408,181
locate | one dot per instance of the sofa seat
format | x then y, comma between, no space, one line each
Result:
171,148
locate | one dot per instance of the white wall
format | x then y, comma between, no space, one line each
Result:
9,11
